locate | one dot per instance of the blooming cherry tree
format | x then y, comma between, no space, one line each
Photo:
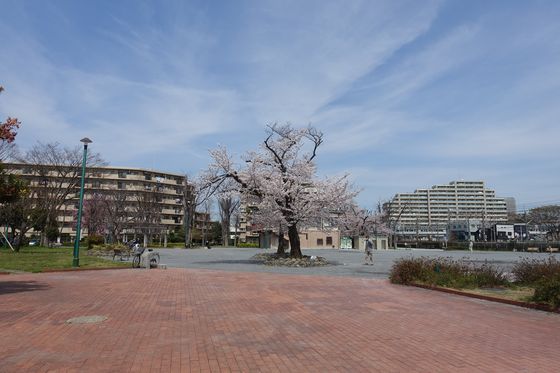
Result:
281,178
356,221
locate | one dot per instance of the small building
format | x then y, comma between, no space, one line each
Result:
309,239
359,242
464,230
504,232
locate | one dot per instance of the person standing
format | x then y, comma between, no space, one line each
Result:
369,252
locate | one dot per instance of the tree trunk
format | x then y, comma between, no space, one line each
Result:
295,247
281,243
225,233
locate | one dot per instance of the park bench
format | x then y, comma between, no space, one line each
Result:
551,249
533,249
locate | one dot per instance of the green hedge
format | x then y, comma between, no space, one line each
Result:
248,244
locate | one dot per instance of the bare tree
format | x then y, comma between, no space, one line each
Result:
58,171
227,206
20,216
8,150
207,208
147,214
391,217
548,219
118,213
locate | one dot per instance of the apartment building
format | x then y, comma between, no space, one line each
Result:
247,230
150,200
426,213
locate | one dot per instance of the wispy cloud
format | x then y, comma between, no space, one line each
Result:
408,94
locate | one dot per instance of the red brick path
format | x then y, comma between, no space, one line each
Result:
209,321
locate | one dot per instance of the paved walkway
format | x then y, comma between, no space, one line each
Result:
214,321
347,263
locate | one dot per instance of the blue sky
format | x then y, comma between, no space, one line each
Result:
409,94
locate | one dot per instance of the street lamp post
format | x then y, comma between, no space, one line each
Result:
76,258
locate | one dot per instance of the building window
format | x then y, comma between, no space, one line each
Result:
121,185
319,242
122,174
96,184
148,176
329,240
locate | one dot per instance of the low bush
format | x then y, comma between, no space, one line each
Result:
446,272
248,244
532,271
488,275
409,270
547,290
94,239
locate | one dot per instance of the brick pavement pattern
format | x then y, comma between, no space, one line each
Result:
180,320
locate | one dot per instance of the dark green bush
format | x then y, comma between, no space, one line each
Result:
51,232
248,244
548,291
94,239
531,271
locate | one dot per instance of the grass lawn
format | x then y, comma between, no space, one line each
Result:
517,293
37,259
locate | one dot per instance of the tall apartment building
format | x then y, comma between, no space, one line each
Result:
139,191
247,231
426,213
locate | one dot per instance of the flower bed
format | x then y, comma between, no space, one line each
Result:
286,261
540,278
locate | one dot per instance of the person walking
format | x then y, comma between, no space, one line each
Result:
369,252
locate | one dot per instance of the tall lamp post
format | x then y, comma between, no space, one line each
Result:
76,258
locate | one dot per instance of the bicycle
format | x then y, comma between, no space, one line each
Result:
137,257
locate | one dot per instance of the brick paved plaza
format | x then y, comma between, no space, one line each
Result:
214,321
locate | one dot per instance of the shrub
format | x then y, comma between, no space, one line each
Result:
248,244
51,232
488,275
548,290
408,270
446,272
532,271
94,239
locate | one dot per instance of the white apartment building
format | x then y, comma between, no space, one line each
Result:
426,213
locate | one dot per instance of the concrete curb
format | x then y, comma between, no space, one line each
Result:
536,306
81,269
